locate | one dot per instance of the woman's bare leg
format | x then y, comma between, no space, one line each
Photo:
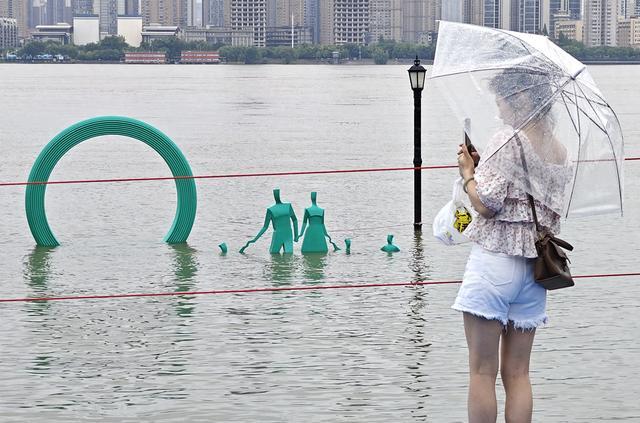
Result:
514,370
483,340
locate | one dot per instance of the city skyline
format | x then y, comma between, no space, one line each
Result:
337,22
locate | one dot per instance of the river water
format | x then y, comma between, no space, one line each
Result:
368,355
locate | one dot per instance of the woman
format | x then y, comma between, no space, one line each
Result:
502,304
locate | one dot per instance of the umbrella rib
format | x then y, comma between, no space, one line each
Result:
588,117
605,104
568,112
542,106
575,175
615,158
476,70
541,52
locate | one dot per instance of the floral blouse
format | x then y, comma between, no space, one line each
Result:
512,229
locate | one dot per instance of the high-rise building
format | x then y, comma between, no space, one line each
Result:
413,20
213,13
325,19
107,10
59,11
572,29
131,8
419,18
164,12
531,16
82,7
492,14
350,21
8,32
452,10
245,14
472,12
312,18
433,13
626,8
344,21
38,13
288,10
18,10
600,22
195,12
385,19
575,8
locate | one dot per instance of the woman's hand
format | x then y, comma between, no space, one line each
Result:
467,162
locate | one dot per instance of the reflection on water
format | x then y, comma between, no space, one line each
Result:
418,263
313,266
36,272
185,267
416,332
285,269
37,267
419,384
280,269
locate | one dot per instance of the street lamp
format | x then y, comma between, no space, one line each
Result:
416,77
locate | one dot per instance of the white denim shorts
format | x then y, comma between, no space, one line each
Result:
501,287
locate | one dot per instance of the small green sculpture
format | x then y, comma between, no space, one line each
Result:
280,215
347,243
390,248
223,248
314,238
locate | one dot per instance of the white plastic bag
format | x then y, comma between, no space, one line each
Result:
451,221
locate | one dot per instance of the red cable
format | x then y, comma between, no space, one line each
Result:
239,175
273,289
231,175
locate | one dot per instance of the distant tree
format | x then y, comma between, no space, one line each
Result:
173,46
380,57
32,49
113,43
109,55
252,56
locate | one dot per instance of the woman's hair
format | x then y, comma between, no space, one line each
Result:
523,90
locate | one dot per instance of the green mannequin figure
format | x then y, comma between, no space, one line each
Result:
390,248
280,215
347,243
314,238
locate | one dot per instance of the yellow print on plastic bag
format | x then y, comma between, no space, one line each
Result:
463,219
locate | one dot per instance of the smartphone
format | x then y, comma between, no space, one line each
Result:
467,141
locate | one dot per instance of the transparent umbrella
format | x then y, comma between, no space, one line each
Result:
535,115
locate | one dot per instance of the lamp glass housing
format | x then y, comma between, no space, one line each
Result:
417,75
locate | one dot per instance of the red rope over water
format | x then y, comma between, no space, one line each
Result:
271,289
229,175
240,175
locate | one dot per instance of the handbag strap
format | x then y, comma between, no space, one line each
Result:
533,211
529,196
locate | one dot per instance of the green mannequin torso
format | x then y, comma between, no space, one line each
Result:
316,233
282,230
281,216
314,238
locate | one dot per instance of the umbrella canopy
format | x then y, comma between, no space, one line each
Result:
535,115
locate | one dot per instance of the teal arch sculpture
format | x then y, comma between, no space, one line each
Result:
97,127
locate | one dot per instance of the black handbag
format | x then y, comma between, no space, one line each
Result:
551,269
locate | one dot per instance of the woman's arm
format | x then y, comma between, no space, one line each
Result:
466,166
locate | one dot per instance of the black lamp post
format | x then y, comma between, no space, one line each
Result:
416,77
